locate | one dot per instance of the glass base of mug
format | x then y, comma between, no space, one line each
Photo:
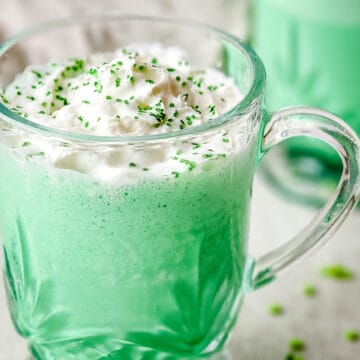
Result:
300,177
126,353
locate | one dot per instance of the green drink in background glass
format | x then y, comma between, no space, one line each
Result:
311,50
154,265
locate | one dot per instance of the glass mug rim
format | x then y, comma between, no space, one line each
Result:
256,87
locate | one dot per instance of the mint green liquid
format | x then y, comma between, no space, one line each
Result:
311,51
97,271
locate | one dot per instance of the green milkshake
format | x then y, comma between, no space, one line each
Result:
94,263
125,252
311,50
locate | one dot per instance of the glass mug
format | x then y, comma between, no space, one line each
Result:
153,265
311,51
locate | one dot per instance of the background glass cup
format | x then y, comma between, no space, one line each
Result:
311,51
151,267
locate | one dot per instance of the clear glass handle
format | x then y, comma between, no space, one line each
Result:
305,121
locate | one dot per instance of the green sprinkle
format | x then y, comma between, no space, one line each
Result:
144,107
190,164
93,72
309,290
176,113
189,120
178,78
19,93
150,81
86,125
212,88
154,61
44,104
41,153
145,169
36,73
276,309
26,143
296,345
195,146
48,93
207,156
199,83
98,87
171,105
132,80
108,97
81,118
179,152
336,272
352,336
132,164
212,109
30,98
170,69
175,173
140,68
225,140
184,84
117,82
86,101
221,156
222,99
196,108
293,357
60,98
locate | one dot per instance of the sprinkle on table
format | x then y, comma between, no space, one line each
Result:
296,345
309,290
352,335
276,309
293,357
336,272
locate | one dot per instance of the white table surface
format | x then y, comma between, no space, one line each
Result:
320,321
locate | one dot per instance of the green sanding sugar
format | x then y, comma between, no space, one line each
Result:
336,272
296,345
309,290
293,357
276,309
352,336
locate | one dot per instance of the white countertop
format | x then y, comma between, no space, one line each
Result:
320,321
